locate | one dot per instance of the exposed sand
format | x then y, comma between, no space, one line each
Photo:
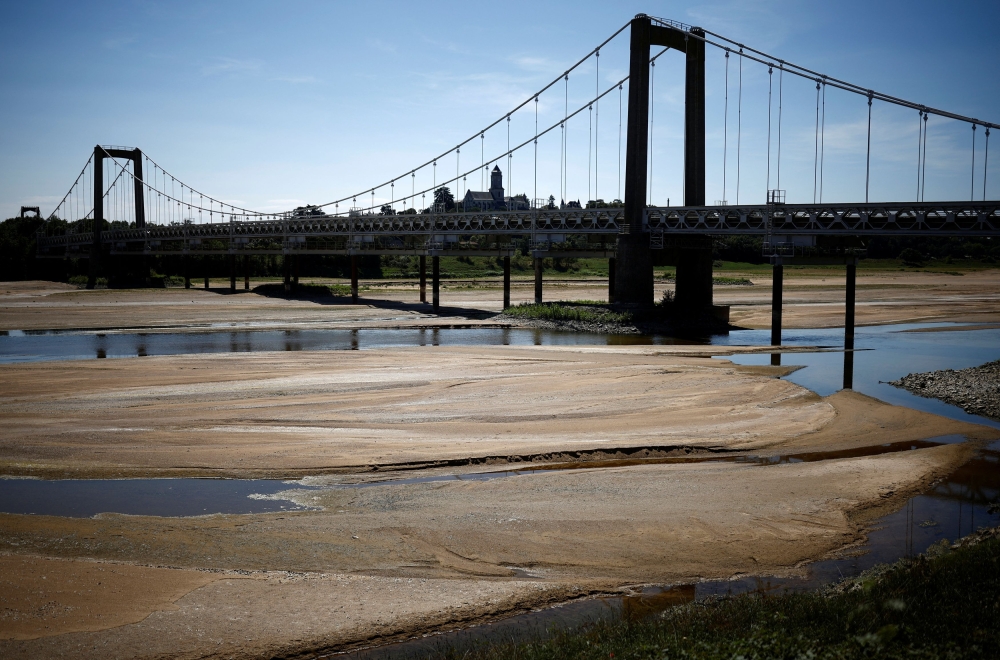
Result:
389,560
813,299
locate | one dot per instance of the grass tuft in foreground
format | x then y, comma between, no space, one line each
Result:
568,312
947,606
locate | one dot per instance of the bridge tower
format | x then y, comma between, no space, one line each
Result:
100,153
634,266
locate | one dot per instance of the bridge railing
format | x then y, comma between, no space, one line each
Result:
542,227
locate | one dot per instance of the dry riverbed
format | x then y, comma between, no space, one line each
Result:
386,561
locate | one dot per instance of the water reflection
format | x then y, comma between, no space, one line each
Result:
949,510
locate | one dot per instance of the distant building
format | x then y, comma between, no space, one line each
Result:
494,199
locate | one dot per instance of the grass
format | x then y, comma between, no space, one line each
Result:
303,290
947,606
568,312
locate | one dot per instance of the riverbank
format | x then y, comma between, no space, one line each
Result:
975,390
936,605
644,478
813,298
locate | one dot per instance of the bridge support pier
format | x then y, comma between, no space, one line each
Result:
295,274
423,278
852,267
777,281
694,273
506,282
187,272
286,271
538,280
634,264
246,272
436,282
354,279
232,273
611,281
205,261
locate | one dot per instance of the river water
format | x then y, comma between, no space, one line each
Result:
952,508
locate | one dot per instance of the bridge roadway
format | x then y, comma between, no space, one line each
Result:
549,231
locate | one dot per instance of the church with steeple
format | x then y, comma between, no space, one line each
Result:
494,199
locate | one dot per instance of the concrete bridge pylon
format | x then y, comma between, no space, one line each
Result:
634,265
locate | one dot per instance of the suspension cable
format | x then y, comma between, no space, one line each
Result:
972,179
590,148
597,114
822,143
540,134
816,145
986,161
781,78
725,129
868,156
923,176
619,143
770,78
510,161
739,129
565,128
535,198
71,188
507,115
920,147
805,72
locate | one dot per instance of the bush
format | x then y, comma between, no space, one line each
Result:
564,312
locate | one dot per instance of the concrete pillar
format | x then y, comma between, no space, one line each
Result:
232,273
295,275
436,282
611,281
506,282
187,272
777,282
849,326
694,272
538,280
206,263
286,270
354,279
634,265
694,263
96,247
246,272
423,278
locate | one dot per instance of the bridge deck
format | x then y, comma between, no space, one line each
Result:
577,232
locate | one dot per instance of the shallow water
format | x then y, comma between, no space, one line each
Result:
955,507
83,498
882,354
51,345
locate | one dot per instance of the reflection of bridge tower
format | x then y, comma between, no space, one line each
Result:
634,266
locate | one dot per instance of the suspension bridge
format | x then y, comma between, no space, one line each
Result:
123,205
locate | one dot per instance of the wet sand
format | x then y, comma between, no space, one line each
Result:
814,299
386,561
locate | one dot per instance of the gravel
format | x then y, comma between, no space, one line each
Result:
975,390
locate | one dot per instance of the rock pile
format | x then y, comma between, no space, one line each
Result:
975,390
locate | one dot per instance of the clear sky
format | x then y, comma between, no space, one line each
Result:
275,104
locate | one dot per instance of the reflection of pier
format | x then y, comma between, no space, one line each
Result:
977,482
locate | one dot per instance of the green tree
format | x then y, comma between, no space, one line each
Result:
444,198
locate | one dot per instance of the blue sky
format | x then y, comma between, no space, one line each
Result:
271,105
